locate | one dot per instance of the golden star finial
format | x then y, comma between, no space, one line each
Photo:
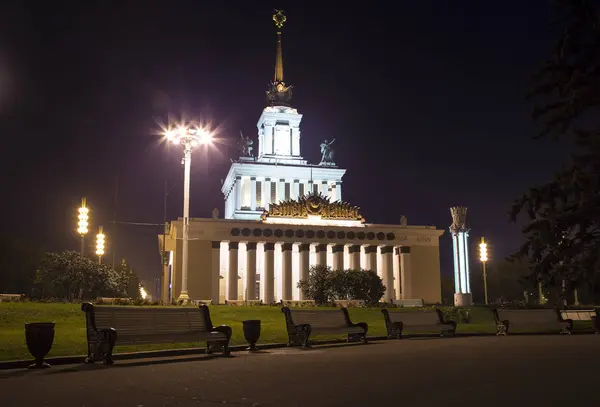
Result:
279,18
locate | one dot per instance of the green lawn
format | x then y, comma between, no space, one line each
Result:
70,326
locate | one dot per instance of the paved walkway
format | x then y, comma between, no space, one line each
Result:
484,371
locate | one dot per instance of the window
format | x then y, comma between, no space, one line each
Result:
301,189
259,203
287,190
273,192
316,188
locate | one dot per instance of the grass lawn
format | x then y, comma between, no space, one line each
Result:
70,326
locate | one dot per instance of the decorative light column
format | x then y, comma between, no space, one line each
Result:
82,224
188,138
460,237
483,256
100,240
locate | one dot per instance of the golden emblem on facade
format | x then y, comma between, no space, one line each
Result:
313,205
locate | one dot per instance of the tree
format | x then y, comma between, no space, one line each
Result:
18,262
563,233
70,276
324,285
128,281
318,286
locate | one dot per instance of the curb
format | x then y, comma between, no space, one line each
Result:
70,360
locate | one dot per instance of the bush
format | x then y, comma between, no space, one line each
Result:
324,285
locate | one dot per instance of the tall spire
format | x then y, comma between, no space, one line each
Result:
279,18
279,94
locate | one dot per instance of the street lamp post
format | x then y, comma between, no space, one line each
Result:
100,240
82,224
484,258
188,138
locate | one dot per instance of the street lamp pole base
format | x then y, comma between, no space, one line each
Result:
183,296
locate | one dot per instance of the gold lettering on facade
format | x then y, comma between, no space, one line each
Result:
313,205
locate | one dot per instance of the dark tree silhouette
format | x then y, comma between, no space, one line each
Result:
563,235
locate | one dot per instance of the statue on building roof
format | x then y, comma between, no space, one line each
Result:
327,151
246,145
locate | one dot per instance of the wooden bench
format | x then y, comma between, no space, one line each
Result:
582,315
108,325
531,318
417,302
11,297
298,303
396,322
301,323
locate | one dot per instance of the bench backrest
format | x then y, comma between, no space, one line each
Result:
143,320
415,317
578,315
528,315
319,318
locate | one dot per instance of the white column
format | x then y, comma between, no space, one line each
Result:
324,188
253,193
286,271
338,257
215,272
268,278
310,187
387,272
232,273
321,251
304,252
281,191
238,192
250,271
267,197
295,141
268,137
354,252
338,190
371,256
406,272
295,189
397,275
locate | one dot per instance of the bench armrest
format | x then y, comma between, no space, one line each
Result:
363,325
224,329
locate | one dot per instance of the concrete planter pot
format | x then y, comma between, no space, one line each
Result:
39,337
251,333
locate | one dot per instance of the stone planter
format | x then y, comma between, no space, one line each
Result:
252,333
39,337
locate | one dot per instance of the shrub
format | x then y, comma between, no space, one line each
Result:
324,285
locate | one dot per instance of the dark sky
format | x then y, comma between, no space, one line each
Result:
425,99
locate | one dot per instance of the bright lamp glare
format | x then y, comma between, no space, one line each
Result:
170,134
204,136
483,252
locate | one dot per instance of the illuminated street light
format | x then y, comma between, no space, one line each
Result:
188,137
82,224
483,256
100,241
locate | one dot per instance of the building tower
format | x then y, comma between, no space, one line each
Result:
277,172
460,239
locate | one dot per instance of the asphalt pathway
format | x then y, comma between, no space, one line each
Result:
478,371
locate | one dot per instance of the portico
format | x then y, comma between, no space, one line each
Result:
248,260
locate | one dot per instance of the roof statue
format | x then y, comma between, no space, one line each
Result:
327,151
279,94
246,145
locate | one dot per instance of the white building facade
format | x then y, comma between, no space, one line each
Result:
283,215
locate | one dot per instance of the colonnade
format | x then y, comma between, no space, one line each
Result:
392,263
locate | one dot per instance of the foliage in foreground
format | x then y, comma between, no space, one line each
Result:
69,275
563,233
325,285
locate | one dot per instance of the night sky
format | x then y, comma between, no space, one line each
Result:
425,100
